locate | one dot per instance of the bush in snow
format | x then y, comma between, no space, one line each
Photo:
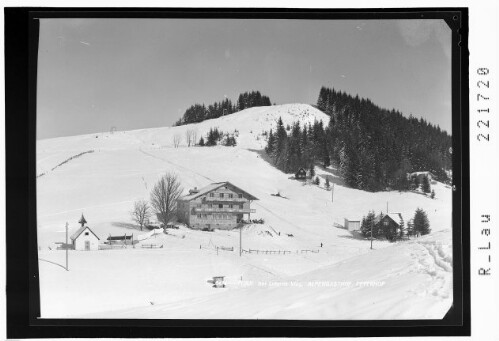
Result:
230,141
317,181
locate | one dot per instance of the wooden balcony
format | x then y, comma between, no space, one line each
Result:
226,198
223,210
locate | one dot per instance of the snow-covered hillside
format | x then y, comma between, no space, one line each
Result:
125,165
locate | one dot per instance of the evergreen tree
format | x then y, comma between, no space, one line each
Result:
433,194
230,141
410,228
213,137
402,229
426,184
368,224
327,184
317,181
201,142
312,171
270,143
281,147
421,222
378,228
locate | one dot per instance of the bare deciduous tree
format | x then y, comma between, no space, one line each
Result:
194,137
141,212
164,197
176,140
189,137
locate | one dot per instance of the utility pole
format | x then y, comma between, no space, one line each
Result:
332,193
371,236
67,247
241,240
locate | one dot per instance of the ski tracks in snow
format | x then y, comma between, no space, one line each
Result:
435,259
175,164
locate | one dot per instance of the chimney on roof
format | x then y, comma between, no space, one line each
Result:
194,190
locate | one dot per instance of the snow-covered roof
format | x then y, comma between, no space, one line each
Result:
213,187
422,173
396,217
80,230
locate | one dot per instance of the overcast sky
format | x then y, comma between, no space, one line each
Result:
94,74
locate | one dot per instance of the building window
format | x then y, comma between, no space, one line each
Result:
231,195
231,206
212,195
210,205
221,195
205,216
220,206
199,216
240,196
385,223
86,233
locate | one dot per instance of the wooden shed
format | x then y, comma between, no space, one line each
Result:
352,225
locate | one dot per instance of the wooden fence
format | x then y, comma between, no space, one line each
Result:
152,246
112,246
278,252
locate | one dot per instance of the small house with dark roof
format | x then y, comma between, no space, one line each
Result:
301,174
389,222
84,239
220,205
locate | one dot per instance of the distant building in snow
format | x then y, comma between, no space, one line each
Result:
301,174
84,239
420,175
389,221
352,225
219,205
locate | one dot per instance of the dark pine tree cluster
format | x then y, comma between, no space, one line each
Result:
252,99
302,148
373,148
200,112
215,137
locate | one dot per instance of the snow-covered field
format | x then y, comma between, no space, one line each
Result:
344,280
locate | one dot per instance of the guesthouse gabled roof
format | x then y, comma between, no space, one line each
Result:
80,230
212,187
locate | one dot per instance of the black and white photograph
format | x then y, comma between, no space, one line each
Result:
244,168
